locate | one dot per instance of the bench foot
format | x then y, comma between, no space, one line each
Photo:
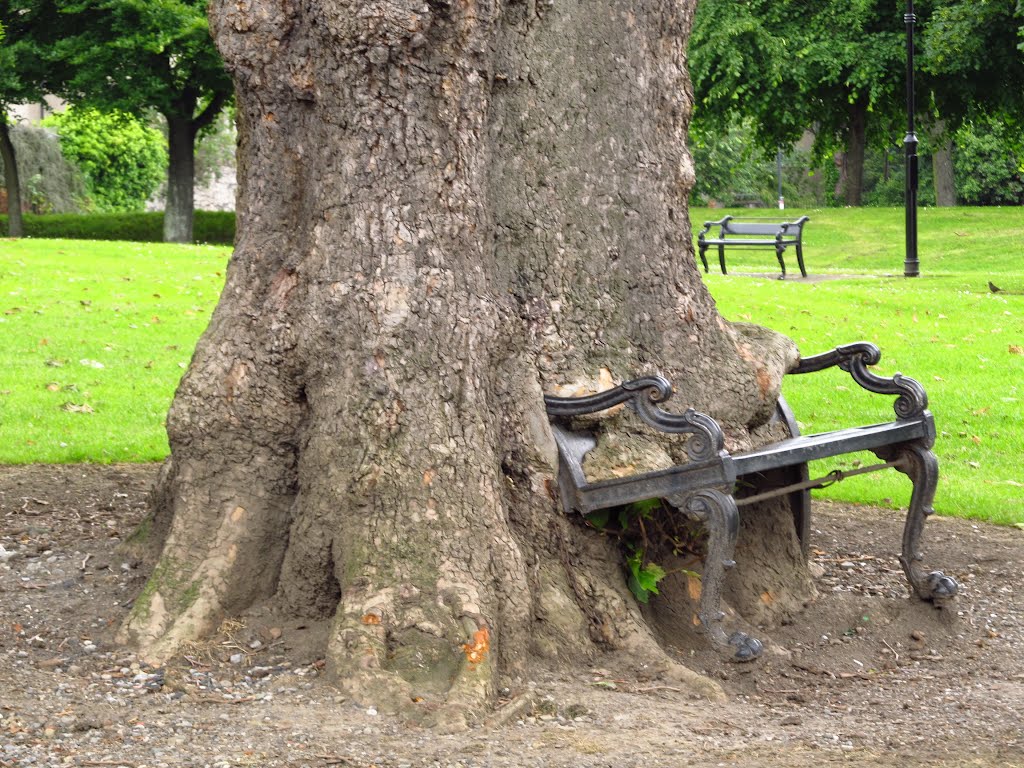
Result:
747,648
720,516
919,464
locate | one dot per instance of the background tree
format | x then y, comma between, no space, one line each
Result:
838,68
446,210
133,56
8,87
972,65
20,76
834,67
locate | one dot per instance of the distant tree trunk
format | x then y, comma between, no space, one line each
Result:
178,211
856,146
15,226
445,211
183,127
942,162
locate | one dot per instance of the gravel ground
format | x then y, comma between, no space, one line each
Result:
866,676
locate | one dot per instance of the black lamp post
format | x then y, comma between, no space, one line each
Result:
910,265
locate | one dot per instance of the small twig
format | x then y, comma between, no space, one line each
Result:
86,560
333,759
215,700
657,688
891,649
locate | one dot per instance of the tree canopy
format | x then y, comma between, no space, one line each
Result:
973,59
838,68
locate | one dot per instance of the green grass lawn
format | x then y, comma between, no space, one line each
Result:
945,328
94,337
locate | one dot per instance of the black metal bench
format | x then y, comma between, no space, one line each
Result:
737,233
703,487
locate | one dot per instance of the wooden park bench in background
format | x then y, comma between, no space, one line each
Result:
702,488
754,233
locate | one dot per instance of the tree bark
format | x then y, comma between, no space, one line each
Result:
12,182
445,211
942,163
856,146
179,209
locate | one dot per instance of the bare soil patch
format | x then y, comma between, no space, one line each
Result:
864,676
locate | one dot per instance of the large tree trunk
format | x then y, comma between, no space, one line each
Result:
15,227
445,211
178,211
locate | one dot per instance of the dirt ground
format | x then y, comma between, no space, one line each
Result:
865,676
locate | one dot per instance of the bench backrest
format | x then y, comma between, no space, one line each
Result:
753,227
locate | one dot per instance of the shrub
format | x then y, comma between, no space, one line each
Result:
988,172
214,227
123,159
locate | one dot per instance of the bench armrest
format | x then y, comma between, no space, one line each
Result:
709,224
912,401
643,395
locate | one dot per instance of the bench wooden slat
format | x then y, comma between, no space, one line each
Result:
761,243
824,445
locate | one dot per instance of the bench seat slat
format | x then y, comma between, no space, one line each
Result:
800,450
736,241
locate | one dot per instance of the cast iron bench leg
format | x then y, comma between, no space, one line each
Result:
800,258
780,251
718,512
919,464
703,248
721,257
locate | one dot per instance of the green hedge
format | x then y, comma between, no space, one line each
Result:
214,227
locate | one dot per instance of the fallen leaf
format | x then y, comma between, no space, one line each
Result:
74,408
1016,350
693,587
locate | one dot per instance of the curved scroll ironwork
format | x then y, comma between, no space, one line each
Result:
656,388
643,395
911,401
